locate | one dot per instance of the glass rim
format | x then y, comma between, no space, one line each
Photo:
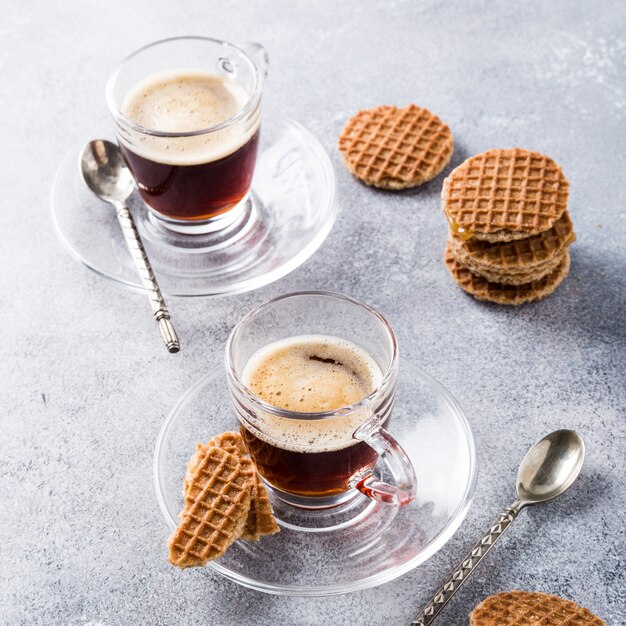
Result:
124,121
264,406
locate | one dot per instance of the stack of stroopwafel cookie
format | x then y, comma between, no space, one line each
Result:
510,230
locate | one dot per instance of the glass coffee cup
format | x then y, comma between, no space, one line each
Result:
316,459
187,114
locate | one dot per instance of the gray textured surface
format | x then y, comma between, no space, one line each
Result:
86,383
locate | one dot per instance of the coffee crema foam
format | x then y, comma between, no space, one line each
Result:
309,374
184,101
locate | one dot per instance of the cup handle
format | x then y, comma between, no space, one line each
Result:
258,54
396,459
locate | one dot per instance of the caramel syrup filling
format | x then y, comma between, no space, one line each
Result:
458,230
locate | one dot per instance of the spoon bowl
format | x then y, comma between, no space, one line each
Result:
105,172
550,467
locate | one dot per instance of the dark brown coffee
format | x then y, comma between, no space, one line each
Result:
312,474
190,177
309,374
194,192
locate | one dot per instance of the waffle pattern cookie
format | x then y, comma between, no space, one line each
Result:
521,278
537,255
524,608
259,520
217,502
503,195
394,148
501,293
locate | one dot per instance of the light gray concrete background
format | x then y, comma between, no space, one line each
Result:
86,384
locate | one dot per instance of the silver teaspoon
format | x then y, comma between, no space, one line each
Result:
547,470
106,174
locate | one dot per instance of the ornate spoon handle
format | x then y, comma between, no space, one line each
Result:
467,566
159,308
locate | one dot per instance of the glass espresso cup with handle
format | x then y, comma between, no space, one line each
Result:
312,376
187,114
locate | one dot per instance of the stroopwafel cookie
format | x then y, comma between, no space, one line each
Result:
503,195
506,278
525,608
394,148
482,289
514,260
217,502
261,520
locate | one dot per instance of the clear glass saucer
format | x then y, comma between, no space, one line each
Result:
360,544
289,213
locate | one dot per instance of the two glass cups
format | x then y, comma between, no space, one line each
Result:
196,180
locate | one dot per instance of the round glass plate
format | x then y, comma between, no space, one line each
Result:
288,215
363,544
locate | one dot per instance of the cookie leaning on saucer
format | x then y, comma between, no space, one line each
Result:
394,148
524,608
217,502
483,289
503,195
